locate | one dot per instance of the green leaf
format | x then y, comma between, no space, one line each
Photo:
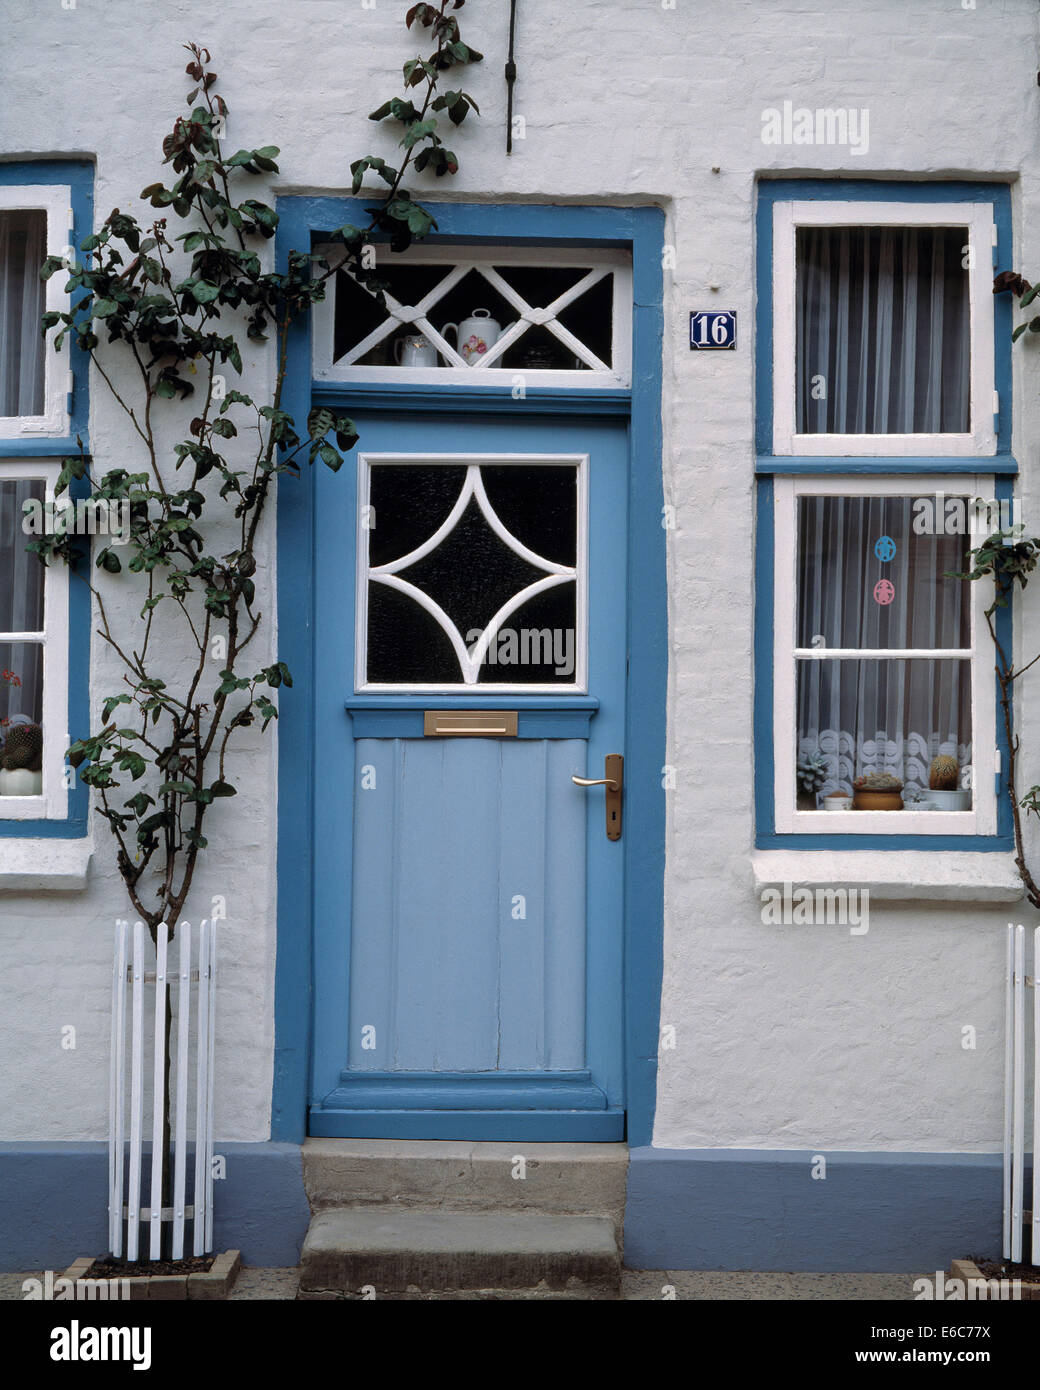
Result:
103,308
1018,332
1029,296
223,789
203,292
110,705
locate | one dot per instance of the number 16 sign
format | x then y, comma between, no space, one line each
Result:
713,329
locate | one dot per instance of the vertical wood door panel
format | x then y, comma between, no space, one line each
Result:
468,920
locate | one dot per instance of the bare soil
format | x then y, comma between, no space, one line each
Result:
108,1267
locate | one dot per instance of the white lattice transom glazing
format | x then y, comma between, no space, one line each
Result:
481,316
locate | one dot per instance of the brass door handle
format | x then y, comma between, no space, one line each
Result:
614,767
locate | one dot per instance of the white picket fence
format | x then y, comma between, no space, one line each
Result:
144,1011
1017,1064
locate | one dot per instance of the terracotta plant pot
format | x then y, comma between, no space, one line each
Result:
877,801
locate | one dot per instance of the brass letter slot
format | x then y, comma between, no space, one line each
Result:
470,723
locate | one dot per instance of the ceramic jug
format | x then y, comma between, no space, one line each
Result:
415,351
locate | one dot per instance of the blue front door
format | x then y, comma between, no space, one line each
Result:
470,660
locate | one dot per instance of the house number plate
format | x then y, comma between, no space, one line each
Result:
713,329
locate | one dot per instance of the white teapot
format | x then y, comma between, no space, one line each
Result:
473,336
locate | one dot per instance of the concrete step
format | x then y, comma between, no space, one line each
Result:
473,1176
416,1250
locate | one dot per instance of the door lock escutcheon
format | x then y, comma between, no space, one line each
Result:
614,784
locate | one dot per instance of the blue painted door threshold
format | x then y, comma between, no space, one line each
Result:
533,1126
474,1105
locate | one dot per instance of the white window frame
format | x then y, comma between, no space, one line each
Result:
52,804
487,372
579,684
982,818
977,220
56,201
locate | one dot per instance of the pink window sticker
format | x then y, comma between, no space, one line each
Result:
884,591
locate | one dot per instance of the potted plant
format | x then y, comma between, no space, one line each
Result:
811,774
943,790
21,759
877,791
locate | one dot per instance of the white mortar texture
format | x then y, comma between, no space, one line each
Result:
800,1037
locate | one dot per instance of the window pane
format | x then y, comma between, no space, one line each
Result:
21,573
23,248
867,578
883,330
895,717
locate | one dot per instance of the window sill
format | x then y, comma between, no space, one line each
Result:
901,875
44,865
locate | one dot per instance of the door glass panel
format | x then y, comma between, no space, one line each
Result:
473,574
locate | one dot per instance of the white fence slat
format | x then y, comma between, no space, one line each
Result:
174,971
158,1070
201,1093
181,1110
133,1202
1035,1239
1009,977
211,1034
1018,1138
116,1091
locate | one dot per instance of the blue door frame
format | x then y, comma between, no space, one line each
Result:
303,222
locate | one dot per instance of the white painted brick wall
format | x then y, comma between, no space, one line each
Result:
797,1036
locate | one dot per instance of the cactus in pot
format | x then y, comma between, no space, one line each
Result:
943,773
21,761
945,793
811,773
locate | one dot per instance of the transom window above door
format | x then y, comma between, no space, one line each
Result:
472,573
480,316
883,329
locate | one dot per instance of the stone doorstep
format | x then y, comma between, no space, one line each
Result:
349,1248
968,1269
214,1283
574,1178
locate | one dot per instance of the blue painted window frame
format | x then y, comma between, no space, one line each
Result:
307,221
1001,465
78,176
